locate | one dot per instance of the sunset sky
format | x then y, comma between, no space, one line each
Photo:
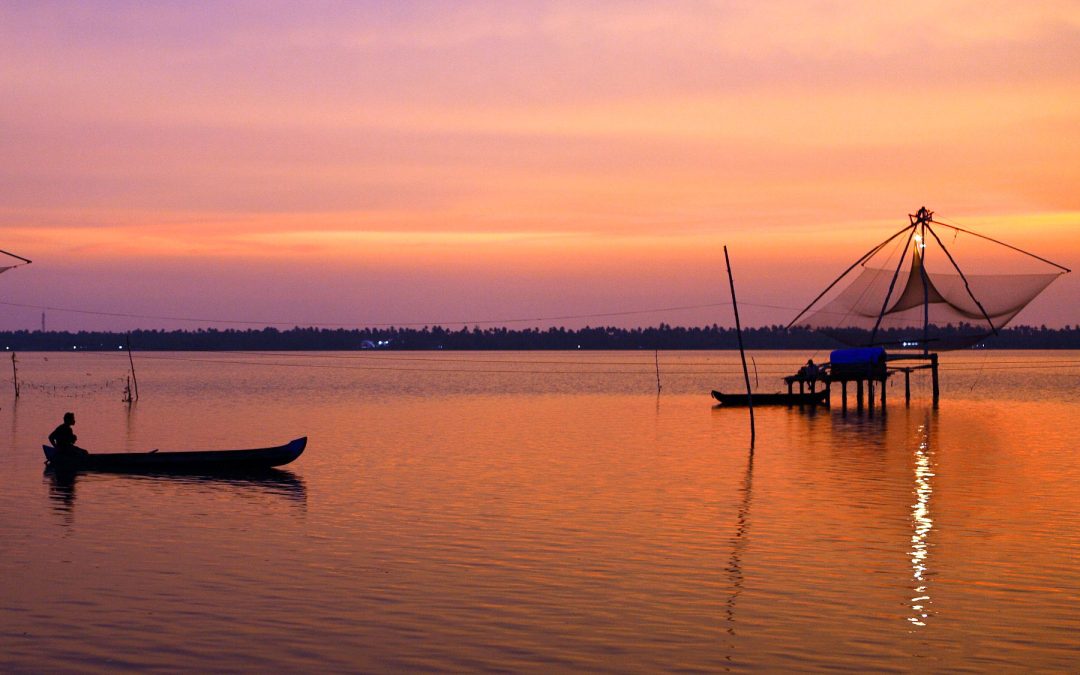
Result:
366,163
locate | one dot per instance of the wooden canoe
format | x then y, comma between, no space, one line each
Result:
817,398
196,460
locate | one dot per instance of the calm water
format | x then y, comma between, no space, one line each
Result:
542,512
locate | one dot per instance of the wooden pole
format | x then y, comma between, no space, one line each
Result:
934,374
843,395
656,358
926,293
742,352
131,361
14,375
907,387
859,394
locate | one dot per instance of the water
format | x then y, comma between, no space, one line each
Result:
540,512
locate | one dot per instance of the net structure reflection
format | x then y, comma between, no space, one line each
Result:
923,524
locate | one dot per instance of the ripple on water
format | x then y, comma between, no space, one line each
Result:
487,522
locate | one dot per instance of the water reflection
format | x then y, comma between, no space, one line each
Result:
130,418
923,524
738,545
14,424
273,482
62,493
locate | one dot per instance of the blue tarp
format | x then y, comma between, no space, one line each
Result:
851,357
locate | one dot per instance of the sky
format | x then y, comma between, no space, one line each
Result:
241,164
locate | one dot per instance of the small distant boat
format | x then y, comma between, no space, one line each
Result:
187,461
732,400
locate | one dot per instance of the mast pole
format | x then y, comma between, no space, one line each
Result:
925,283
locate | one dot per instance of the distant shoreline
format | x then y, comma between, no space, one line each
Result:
436,338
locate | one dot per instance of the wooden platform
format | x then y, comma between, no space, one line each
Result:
867,380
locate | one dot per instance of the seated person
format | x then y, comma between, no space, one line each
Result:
63,438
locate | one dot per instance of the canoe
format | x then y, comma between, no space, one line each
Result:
196,460
817,398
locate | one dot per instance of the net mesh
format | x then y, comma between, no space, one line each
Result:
868,312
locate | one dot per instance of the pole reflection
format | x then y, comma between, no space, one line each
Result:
738,545
923,524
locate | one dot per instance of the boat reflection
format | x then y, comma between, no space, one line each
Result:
273,482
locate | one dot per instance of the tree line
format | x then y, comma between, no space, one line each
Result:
663,336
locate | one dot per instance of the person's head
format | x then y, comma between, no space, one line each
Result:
69,418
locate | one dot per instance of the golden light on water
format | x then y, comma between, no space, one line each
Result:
923,524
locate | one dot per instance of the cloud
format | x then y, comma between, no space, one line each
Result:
480,133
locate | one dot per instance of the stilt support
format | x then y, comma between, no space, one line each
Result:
934,377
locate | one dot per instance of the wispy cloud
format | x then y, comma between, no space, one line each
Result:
254,128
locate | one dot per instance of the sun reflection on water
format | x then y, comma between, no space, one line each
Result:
923,524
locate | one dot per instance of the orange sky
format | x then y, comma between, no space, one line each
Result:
422,161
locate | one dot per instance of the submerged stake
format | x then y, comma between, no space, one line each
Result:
14,375
656,357
131,361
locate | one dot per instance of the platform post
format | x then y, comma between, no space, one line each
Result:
884,395
843,395
870,395
907,387
859,395
934,373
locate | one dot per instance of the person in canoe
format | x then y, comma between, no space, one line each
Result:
63,438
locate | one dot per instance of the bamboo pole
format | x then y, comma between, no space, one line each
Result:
656,358
742,352
131,361
14,375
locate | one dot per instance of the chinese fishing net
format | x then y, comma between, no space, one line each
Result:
909,304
